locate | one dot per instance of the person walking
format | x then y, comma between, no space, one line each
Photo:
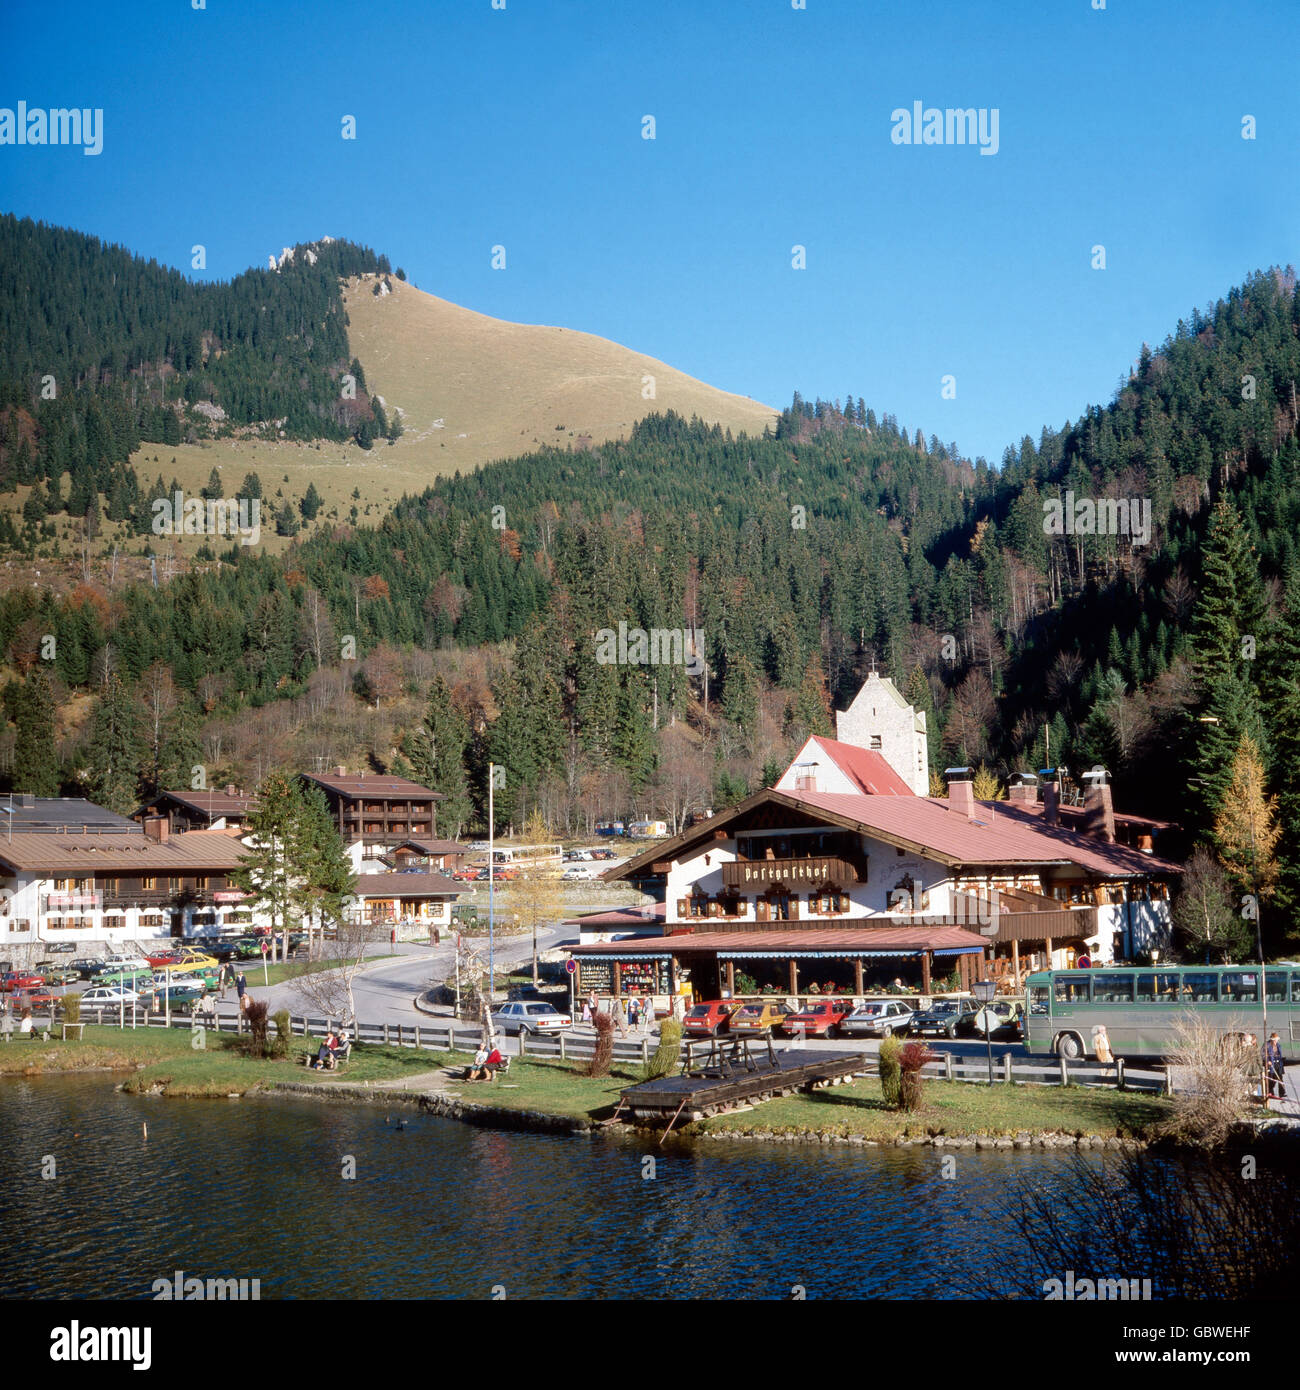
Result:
1101,1045
620,1018
633,1012
648,1013
241,991
1274,1068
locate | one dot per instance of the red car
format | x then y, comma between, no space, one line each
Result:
21,979
161,958
709,1019
39,998
820,1019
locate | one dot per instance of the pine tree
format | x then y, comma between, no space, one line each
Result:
33,708
325,879
270,871
116,749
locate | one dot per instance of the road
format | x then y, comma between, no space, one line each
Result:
385,989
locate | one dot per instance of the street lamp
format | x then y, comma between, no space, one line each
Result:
985,991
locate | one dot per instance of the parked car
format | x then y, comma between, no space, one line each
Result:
603,854
87,967
759,1018
20,979
140,980
106,996
877,1019
126,962
56,974
578,874
177,994
709,1019
160,958
32,999
529,1016
945,1018
820,1019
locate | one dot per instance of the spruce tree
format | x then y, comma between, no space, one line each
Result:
35,761
116,749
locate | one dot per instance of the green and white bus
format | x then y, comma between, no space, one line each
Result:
1140,1007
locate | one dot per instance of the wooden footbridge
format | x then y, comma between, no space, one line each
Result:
721,1073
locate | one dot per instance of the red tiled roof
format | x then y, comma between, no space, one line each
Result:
435,846
402,885
380,787
994,837
810,939
866,768
212,803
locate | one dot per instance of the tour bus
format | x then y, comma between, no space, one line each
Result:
528,856
1140,1007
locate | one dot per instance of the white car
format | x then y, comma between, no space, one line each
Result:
108,995
125,962
577,875
879,1018
530,1016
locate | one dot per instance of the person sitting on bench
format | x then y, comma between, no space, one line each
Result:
325,1058
486,1064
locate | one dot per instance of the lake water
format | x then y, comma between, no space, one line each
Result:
255,1189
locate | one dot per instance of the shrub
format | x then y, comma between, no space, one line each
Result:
911,1058
746,984
283,1034
71,1007
666,1054
1214,1076
256,1015
604,1053
891,1072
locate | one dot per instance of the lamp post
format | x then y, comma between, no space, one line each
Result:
492,777
985,991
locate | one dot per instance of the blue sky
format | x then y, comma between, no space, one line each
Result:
523,127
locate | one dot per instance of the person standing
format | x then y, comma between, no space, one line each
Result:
648,1013
241,991
633,1012
1101,1045
1274,1067
620,1018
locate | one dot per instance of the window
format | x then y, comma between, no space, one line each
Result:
115,922
1275,989
1157,989
1112,989
148,885
875,743
1200,988
1239,987
201,883
1072,989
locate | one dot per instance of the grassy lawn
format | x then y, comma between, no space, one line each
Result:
556,1087
953,1108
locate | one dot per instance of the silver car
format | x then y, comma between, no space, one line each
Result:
877,1019
529,1016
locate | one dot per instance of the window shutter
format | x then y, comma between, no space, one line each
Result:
683,907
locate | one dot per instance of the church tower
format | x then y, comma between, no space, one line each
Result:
880,719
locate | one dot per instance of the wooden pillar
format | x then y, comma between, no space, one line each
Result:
925,972
1015,960
857,976
731,978
794,977
1048,943
618,979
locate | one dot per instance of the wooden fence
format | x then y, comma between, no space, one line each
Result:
454,1036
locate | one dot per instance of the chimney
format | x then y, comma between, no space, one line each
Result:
961,791
1098,806
230,789
340,771
1022,789
1051,795
27,800
157,828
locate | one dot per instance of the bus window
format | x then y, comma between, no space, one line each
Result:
1072,989
1239,987
1199,988
1039,999
1108,988
1275,989
1157,989
1295,989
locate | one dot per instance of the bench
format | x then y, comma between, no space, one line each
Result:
502,1069
341,1055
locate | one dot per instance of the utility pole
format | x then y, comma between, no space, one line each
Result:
492,777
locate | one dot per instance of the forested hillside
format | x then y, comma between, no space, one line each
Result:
463,628
104,350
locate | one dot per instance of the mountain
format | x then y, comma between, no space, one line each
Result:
472,388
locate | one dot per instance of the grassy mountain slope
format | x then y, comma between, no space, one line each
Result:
473,388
